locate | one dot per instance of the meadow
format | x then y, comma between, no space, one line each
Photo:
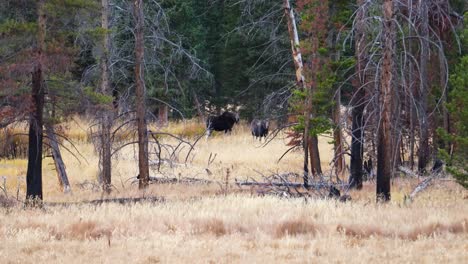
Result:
218,222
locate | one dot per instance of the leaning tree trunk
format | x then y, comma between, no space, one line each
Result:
143,165
34,172
106,117
357,140
385,159
300,79
295,45
58,161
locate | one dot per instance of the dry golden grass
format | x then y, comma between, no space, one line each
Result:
238,228
201,224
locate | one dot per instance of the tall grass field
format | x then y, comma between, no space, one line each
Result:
219,222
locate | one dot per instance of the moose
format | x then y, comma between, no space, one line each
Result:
223,122
259,128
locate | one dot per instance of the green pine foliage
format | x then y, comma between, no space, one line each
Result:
456,158
18,29
331,78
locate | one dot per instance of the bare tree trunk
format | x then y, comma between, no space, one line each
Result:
339,160
340,164
412,118
385,159
300,79
199,107
295,45
34,172
445,113
143,165
357,140
307,138
423,156
163,114
411,137
58,161
315,165
105,162
413,82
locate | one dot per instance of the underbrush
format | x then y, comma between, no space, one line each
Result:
187,129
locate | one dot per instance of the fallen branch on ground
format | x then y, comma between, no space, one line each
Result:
421,187
171,180
129,200
286,185
424,184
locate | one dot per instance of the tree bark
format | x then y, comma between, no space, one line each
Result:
105,162
357,140
423,154
163,114
143,165
315,164
300,79
414,88
339,160
34,172
412,118
340,164
199,107
58,161
295,45
385,159
319,66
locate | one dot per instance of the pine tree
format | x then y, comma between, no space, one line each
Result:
140,99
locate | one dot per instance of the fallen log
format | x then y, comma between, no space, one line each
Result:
436,173
123,201
421,187
282,184
172,180
288,184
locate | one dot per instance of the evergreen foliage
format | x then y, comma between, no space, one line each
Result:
203,57
456,157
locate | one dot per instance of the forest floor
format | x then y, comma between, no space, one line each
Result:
219,223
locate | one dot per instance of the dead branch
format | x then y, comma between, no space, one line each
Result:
192,147
123,201
286,152
173,180
285,185
421,187
211,160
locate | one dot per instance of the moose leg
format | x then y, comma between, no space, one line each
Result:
208,133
